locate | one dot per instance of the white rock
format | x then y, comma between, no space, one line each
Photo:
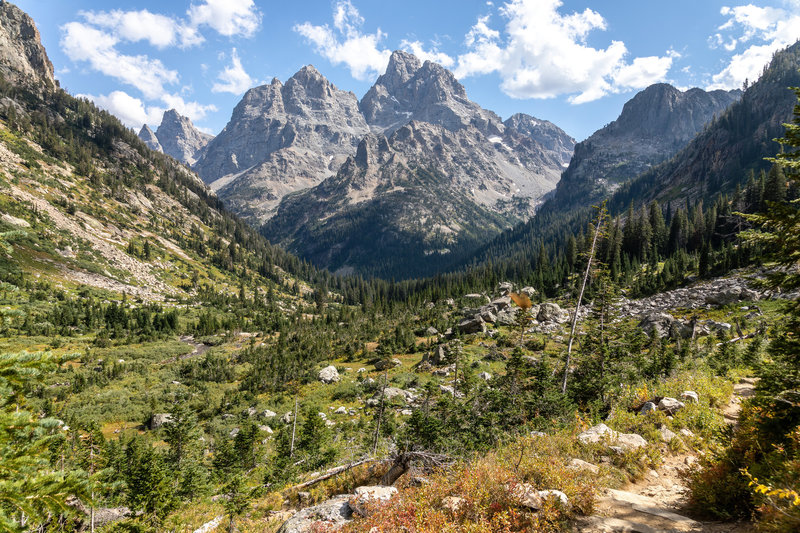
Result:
670,405
690,396
329,374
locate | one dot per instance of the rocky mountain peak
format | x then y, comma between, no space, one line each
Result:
149,137
400,69
411,90
23,59
178,137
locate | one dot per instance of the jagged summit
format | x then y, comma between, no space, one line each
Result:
23,59
410,90
177,137
149,137
550,136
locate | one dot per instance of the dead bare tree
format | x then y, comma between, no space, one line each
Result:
600,218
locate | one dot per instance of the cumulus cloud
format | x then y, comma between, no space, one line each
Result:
761,31
543,53
131,111
418,49
133,26
226,17
233,79
345,43
82,42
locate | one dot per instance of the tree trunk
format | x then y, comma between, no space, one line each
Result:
580,298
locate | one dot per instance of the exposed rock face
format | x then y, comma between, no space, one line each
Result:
550,136
281,139
426,190
424,92
23,60
179,138
149,138
654,125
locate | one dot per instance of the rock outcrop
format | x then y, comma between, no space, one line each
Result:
23,59
149,138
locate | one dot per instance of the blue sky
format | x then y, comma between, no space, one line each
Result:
574,62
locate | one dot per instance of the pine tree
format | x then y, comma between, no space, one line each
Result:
31,489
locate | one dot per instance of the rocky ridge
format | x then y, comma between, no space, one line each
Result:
654,125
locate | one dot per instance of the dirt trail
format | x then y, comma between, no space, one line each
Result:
657,503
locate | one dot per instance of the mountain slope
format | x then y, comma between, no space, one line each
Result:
720,157
652,127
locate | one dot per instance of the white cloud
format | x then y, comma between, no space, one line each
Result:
766,29
542,53
133,26
226,17
131,111
418,49
84,43
233,79
194,110
346,44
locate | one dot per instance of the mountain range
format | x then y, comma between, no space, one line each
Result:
415,177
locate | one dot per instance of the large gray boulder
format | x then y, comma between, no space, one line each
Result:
551,312
659,323
329,374
472,325
331,515
158,420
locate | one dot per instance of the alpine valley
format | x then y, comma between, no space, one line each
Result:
398,313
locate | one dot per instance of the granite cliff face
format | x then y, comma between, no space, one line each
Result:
180,139
176,137
653,126
23,60
551,137
149,138
281,139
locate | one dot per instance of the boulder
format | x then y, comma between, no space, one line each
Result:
630,441
501,303
367,494
235,431
14,221
453,503
158,420
269,414
250,412
724,296
690,396
507,317
647,408
266,429
597,433
551,312
488,316
657,323
528,496
472,325
384,364
670,405
505,287
331,515
528,291
485,376
340,411
287,418
329,374
578,464
666,434
431,331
